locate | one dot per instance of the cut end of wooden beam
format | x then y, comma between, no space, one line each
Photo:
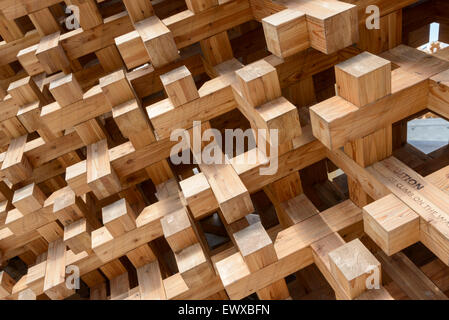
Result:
259,83
179,86
29,199
351,265
255,246
66,90
179,230
391,224
119,218
363,79
286,33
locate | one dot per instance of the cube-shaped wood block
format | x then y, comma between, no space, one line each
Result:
51,55
6,284
132,49
231,270
29,61
286,33
69,208
91,131
28,199
151,285
193,265
232,196
117,88
217,49
332,25
391,224
133,123
66,90
101,177
363,79
180,86
25,91
178,230
280,115
119,218
130,118
256,246
77,236
259,83
158,40
16,166
109,58
199,195
76,178
351,265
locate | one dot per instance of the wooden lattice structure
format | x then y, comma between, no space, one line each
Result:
86,117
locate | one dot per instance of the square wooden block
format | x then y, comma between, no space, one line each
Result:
179,230
281,115
391,224
119,218
69,208
132,49
25,91
77,236
117,88
286,33
332,25
16,166
259,83
51,55
194,266
199,195
180,86
101,177
66,90
256,246
29,61
28,199
158,40
130,118
217,49
351,265
363,79
76,178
